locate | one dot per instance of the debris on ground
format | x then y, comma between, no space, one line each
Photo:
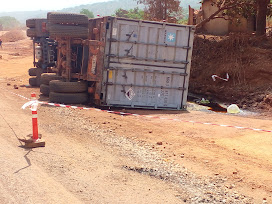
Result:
233,108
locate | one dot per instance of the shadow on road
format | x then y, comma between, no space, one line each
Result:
28,162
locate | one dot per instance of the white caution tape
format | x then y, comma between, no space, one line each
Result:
33,105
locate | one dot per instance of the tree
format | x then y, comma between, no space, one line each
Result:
9,22
87,13
135,13
230,8
160,9
262,9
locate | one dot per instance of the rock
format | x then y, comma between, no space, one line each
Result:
235,172
231,186
8,84
15,87
182,155
159,143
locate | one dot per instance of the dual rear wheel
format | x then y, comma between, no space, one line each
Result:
68,92
68,25
65,92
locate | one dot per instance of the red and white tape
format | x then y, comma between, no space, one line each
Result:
152,117
215,76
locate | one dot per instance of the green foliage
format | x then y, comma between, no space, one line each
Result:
135,13
87,13
9,22
183,21
160,10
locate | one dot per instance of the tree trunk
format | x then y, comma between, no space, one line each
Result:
165,10
261,17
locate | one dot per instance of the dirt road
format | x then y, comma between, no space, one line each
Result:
98,157
73,168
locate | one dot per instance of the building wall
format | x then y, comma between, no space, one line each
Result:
238,25
216,26
191,16
219,26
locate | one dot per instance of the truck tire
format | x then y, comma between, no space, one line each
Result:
30,23
33,81
44,89
68,98
68,87
47,77
31,32
34,71
68,31
68,18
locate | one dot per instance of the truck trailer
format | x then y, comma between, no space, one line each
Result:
111,61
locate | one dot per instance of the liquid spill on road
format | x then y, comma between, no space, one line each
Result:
213,106
216,108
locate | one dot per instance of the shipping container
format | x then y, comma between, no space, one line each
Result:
147,64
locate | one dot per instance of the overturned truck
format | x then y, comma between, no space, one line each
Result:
44,49
111,61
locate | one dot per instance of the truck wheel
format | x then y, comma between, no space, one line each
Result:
33,81
68,98
31,32
68,87
30,23
47,77
68,31
44,89
34,71
68,18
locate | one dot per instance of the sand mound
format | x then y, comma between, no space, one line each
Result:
13,36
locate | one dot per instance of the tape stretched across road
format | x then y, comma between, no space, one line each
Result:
148,116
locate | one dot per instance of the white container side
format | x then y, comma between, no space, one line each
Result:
148,64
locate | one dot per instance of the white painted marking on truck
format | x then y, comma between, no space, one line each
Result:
114,31
94,59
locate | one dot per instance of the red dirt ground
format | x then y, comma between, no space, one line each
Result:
242,156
